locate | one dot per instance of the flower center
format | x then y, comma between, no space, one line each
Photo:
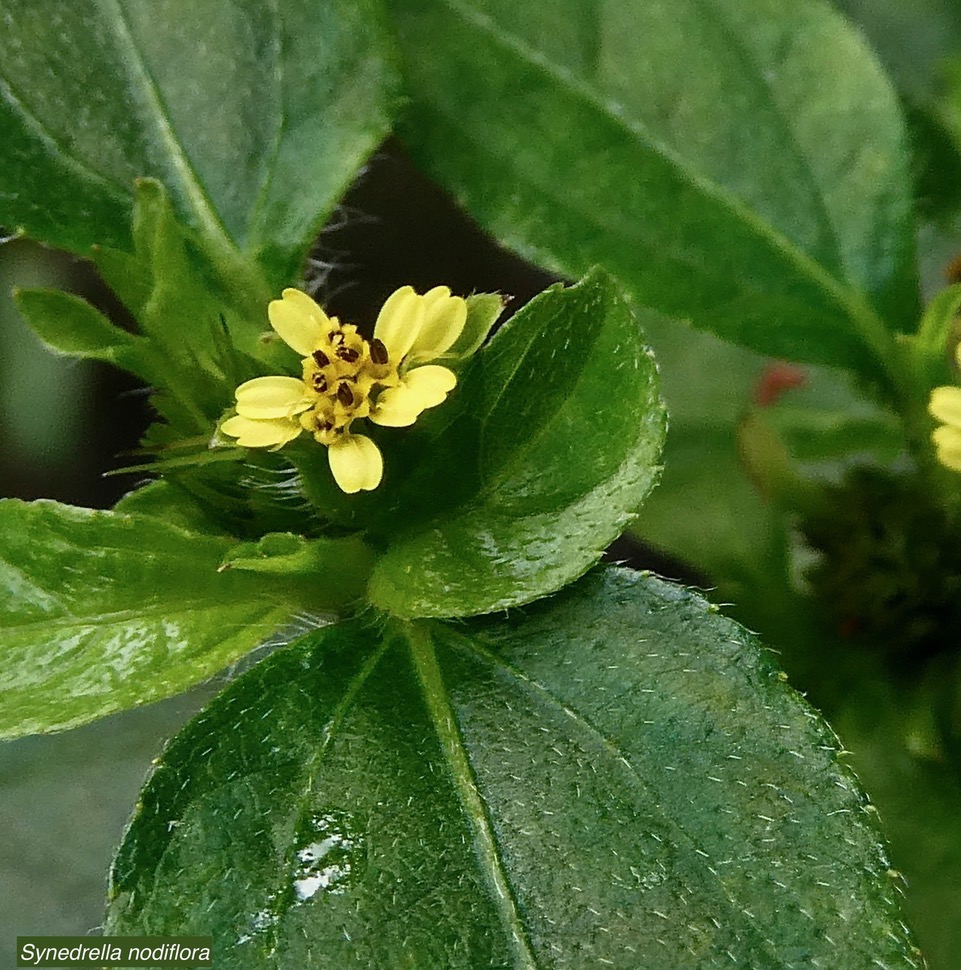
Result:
339,376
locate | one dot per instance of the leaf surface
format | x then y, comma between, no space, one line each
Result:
104,611
562,419
713,154
617,778
255,116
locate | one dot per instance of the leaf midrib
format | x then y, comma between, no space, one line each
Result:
487,854
157,115
317,760
493,479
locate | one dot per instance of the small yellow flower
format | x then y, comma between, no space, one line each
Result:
389,380
945,405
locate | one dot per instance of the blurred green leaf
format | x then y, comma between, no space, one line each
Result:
255,117
562,458
37,389
616,778
715,510
936,162
737,163
912,39
886,724
705,511
70,325
104,611
918,44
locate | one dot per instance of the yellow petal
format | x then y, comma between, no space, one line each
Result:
299,320
399,322
420,389
948,441
271,433
355,463
945,405
271,397
444,320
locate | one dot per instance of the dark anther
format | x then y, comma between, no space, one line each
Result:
325,425
348,354
378,352
345,395
320,383
335,335
320,358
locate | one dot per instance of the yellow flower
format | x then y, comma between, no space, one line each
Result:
945,405
389,380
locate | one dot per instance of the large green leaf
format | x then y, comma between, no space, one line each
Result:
564,408
103,611
254,115
618,778
733,161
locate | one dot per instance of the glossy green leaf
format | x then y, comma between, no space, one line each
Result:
735,162
483,309
941,313
617,777
255,116
562,460
103,611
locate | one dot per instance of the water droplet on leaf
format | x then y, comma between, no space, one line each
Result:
329,848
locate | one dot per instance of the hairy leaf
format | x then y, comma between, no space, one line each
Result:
103,611
735,162
255,116
618,778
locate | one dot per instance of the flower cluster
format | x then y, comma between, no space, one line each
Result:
945,405
388,380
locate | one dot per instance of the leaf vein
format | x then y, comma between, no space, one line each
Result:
613,749
487,852
849,301
158,114
81,166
